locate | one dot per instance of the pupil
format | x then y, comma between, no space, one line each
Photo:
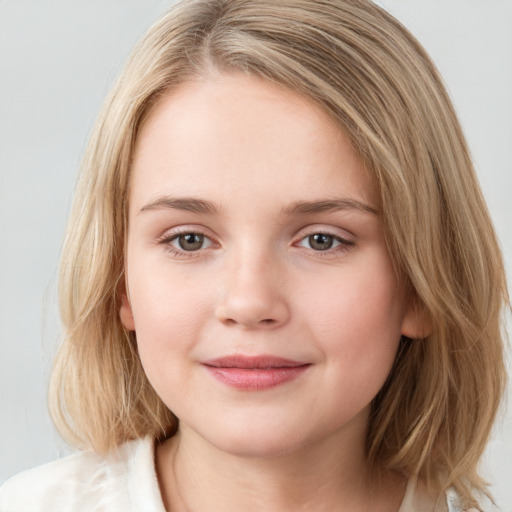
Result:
321,242
191,242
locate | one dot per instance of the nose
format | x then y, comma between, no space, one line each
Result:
253,293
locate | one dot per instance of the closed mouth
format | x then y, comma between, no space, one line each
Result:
253,362
255,373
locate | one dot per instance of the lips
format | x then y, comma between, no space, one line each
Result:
255,373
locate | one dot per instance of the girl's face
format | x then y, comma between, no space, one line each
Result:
266,309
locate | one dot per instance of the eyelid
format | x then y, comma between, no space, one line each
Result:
183,230
338,233
345,242
173,233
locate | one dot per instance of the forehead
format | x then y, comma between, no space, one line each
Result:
233,135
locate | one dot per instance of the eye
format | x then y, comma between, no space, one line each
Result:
320,242
324,242
183,242
190,242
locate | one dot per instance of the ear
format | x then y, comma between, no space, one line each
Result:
125,313
417,322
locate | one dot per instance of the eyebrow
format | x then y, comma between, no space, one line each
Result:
201,206
329,205
188,204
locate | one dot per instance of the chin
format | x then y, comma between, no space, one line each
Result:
258,448
256,441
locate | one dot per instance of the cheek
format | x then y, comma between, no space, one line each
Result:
356,316
168,313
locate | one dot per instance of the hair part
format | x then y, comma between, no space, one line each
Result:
434,415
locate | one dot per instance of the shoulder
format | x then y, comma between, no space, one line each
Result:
419,498
85,481
453,503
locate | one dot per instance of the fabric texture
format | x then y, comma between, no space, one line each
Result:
126,481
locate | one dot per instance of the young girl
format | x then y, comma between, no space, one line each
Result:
280,284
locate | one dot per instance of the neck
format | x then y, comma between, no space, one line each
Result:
317,479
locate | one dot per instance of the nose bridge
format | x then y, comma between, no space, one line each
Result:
252,292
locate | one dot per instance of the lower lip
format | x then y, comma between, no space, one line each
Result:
256,379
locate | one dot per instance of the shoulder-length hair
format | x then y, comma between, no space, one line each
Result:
434,414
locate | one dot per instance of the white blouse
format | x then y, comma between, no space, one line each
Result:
124,481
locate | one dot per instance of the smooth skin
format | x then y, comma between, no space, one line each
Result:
254,230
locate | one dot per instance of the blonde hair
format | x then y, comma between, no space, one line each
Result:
434,415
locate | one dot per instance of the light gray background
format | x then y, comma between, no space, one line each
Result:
57,60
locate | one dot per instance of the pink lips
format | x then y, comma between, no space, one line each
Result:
254,373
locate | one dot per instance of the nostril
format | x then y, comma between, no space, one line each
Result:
252,311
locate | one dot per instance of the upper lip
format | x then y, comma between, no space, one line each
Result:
253,362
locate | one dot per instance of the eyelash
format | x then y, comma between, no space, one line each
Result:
344,243
166,240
